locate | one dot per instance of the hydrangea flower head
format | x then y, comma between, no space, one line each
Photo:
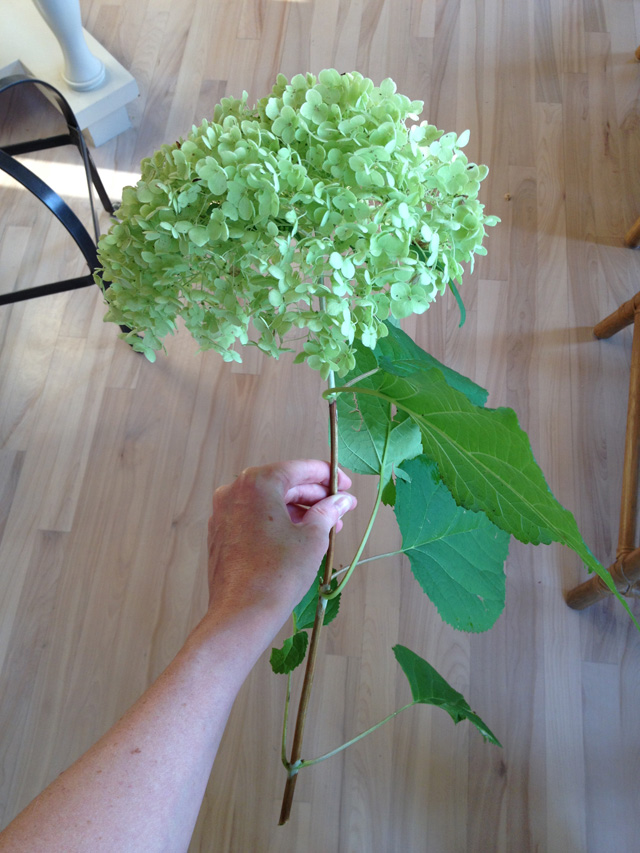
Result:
316,214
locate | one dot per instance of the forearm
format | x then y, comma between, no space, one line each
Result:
140,787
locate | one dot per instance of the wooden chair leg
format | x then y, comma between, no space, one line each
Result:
626,569
621,318
632,237
624,573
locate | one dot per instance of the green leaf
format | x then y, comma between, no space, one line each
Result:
304,613
428,687
362,432
457,556
370,441
403,443
366,361
483,456
485,459
388,496
291,654
399,355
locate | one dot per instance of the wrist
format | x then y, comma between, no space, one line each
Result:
246,629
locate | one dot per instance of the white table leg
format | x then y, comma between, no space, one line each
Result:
82,70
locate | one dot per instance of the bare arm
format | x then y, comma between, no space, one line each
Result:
140,787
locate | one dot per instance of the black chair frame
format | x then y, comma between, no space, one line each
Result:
48,197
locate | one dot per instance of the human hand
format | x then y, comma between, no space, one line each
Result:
269,532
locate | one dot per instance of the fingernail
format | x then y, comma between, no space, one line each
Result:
344,503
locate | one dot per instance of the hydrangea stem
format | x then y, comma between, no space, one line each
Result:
296,749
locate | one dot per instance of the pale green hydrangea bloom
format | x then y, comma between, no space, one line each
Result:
318,213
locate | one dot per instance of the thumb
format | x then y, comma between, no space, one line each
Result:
327,513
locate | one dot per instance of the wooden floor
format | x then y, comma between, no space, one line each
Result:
107,463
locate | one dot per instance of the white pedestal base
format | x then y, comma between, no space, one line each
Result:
28,45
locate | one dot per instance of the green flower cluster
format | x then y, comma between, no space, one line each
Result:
319,209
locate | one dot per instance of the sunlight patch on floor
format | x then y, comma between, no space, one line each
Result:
69,179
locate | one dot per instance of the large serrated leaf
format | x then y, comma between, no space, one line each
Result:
485,460
428,687
482,455
400,355
457,556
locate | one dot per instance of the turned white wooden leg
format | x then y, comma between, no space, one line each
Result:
82,70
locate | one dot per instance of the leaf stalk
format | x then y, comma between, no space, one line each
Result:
285,723
311,761
371,559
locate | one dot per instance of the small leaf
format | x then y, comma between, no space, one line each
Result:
428,687
304,613
362,427
389,494
291,654
370,442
